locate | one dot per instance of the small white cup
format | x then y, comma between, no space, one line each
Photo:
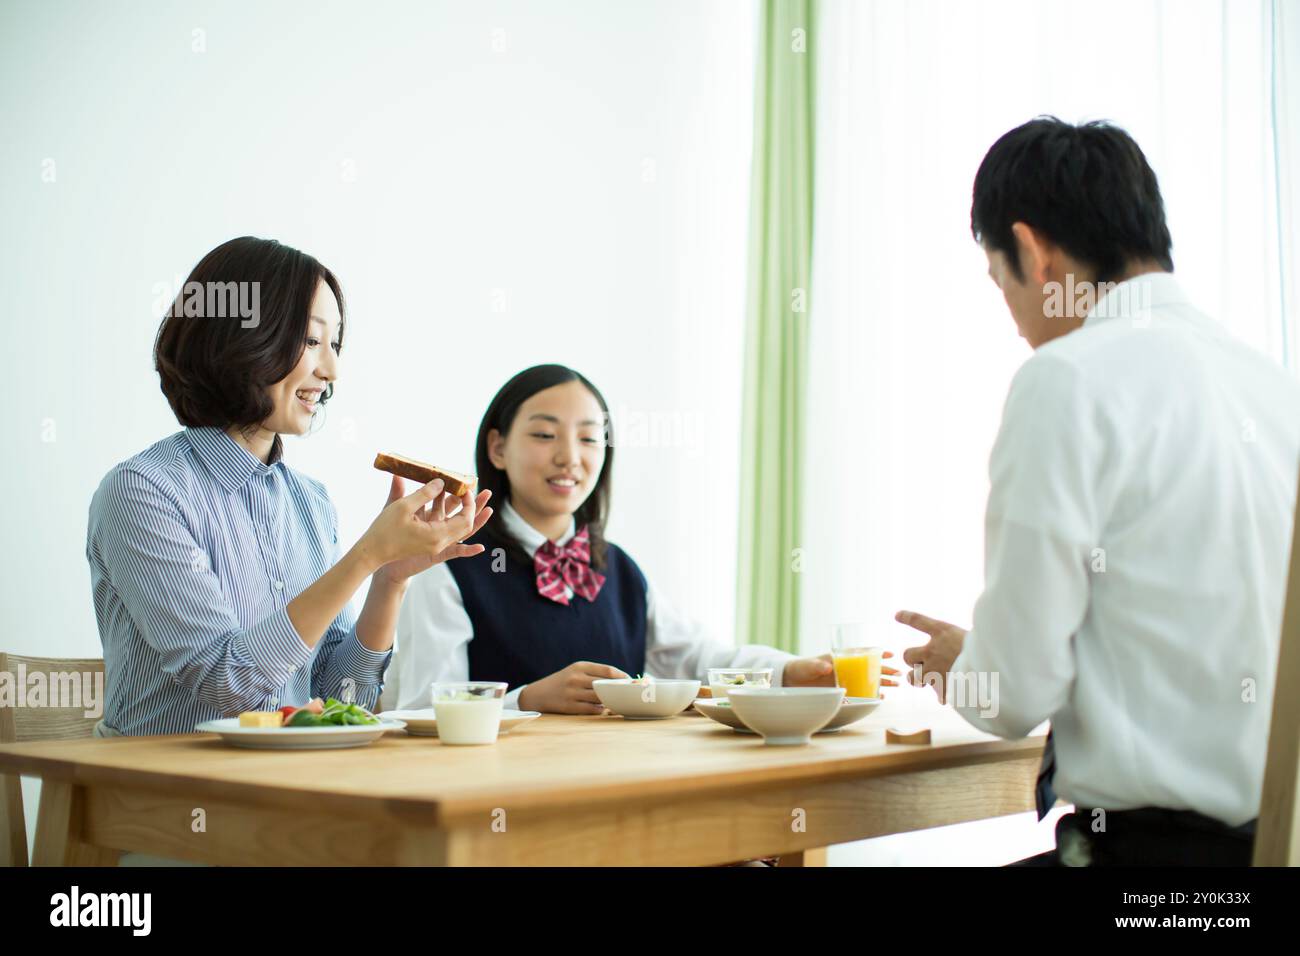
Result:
468,712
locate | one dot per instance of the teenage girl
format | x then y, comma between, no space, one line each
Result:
551,604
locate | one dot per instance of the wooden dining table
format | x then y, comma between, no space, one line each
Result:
593,790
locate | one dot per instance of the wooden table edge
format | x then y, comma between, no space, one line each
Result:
446,810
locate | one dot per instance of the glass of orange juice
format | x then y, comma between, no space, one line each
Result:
857,662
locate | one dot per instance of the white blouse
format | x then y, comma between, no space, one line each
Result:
434,631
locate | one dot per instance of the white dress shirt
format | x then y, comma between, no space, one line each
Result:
434,631
1137,540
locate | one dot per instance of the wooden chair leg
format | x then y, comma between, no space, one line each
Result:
13,825
59,829
814,857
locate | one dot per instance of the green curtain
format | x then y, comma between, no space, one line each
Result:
776,329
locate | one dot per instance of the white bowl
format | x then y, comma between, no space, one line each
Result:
852,709
424,723
786,715
660,698
755,676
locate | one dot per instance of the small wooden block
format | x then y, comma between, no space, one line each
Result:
921,736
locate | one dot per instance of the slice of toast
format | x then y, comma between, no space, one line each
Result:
456,483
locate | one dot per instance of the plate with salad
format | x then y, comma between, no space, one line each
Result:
320,725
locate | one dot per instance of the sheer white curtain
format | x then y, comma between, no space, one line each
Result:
912,347
1284,66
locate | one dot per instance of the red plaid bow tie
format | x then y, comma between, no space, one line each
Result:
558,565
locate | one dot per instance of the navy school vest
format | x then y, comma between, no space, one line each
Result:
521,637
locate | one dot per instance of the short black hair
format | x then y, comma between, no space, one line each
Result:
500,414
1087,188
215,369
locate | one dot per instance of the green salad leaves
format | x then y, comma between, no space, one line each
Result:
335,714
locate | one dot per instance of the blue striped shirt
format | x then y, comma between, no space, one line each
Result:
195,549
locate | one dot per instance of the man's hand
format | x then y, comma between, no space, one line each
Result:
936,657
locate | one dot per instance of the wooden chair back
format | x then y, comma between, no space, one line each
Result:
1277,832
66,681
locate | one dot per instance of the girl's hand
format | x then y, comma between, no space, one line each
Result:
416,531
820,672
568,691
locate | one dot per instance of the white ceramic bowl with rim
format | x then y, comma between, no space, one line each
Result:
786,715
657,698
852,709
722,679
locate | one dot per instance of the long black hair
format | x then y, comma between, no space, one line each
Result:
500,414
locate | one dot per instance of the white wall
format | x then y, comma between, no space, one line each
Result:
523,171
590,160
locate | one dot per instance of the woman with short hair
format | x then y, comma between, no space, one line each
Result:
218,581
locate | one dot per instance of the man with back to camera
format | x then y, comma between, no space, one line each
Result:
1143,485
